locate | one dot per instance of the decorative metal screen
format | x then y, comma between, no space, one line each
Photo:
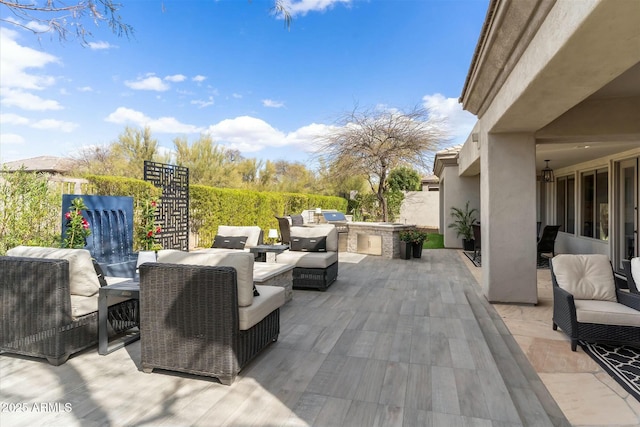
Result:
173,214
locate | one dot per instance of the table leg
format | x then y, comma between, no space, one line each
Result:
103,338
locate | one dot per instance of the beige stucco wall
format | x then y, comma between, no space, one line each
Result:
421,208
456,190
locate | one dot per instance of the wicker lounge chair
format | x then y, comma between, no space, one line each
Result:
37,311
547,242
631,283
190,321
588,305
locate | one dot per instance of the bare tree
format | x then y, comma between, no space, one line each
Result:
372,142
66,18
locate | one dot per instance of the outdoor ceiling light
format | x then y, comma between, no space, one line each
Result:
547,173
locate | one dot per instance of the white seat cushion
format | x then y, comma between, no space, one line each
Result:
606,313
307,259
83,279
252,233
328,230
635,270
81,306
240,260
270,299
585,276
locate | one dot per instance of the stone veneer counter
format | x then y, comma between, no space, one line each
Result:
376,238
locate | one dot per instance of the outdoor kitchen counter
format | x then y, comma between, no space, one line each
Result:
376,238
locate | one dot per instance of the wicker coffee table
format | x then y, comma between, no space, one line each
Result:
272,274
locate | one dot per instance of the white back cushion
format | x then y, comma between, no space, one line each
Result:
82,275
328,230
585,276
635,270
252,232
240,260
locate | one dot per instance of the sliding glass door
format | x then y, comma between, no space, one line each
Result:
627,211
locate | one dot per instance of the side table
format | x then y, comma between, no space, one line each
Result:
128,289
263,250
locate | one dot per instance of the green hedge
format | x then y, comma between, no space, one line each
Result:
30,209
210,207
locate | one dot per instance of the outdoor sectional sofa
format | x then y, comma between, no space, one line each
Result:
588,305
200,314
49,300
314,252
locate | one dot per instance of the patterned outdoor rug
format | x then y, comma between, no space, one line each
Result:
622,363
542,262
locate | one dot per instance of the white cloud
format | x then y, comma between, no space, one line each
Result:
85,89
270,103
199,79
125,115
149,83
201,103
176,78
100,45
28,101
249,134
10,138
302,7
459,122
52,124
15,60
13,119
237,96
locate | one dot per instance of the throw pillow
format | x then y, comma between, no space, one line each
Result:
229,242
99,273
309,244
255,291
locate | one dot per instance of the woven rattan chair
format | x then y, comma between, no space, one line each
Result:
631,283
547,242
477,241
285,233
190,322
588,305
36,311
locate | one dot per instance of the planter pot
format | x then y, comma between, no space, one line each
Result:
405,250
417,250
468,245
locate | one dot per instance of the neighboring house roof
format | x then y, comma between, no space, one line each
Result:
51,164
430,179
446,157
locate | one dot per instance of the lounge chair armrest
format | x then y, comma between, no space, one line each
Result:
628,299
564,309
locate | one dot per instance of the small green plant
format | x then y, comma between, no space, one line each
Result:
149,229
77,227
463,220
413,236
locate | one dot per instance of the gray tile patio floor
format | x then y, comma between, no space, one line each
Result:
390,343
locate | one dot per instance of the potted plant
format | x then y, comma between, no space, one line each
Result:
77,227
406,244
463,220
418,240
148,233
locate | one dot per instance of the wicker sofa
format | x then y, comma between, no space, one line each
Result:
316,266
49,300
200,314
588,305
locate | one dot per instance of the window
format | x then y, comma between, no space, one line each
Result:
565,203
595,204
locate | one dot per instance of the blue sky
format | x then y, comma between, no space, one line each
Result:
231,69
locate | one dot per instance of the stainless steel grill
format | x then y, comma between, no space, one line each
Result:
338,219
